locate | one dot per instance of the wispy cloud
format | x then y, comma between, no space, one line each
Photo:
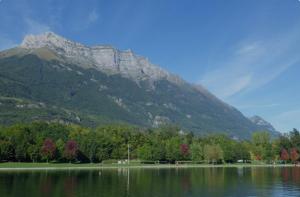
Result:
225,84
86,20
257,106
92,17
286,119
253,64
35,27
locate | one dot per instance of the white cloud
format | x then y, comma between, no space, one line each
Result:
31,27
250,49
257,106
93,17
226,83
35,27
253,64
284,120
86,20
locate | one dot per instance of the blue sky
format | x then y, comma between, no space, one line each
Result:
247,52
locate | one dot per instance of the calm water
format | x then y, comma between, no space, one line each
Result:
153,182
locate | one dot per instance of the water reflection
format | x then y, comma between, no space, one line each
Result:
154,182
46,186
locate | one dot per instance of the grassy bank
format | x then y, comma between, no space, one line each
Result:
70,166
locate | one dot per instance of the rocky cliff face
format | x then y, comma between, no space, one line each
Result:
104,58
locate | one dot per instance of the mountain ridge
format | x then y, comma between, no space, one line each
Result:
91,86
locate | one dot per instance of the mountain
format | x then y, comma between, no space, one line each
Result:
51,78
263,124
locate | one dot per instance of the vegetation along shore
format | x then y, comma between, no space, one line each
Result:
53,145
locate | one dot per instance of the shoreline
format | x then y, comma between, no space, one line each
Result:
67,167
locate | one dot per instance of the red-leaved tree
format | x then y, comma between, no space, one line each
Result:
294,155
258,157
184,150
48,149
71,150
284,155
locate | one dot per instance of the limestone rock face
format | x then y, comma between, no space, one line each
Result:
101,57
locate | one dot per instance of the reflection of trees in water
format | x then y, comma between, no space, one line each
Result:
285,175
264,176
155,182
152,182
185,183
46,185
296,175
272,175
212,178
124,173
70,184
290,175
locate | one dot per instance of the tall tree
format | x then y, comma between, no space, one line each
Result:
6,150
284,155
71,150
261,146
173,149
60,147
145,152
213,153
295,138
48,149
197,151
294,155
241,152
184,150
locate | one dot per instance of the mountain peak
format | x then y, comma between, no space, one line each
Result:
262,123
46,39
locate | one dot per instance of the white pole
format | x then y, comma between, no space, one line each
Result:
128,154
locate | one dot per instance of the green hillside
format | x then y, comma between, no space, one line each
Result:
32,88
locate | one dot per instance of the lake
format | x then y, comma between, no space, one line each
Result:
255,181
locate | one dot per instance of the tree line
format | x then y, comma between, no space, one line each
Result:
45,142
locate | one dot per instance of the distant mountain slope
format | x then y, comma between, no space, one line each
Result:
263,124
51,78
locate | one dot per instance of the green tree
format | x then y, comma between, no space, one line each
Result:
213,153
88,146
197,151
173,149
6,150
33,152
261,146
145,152
295,139
60,147
242,151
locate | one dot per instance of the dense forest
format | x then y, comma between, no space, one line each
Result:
54,142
